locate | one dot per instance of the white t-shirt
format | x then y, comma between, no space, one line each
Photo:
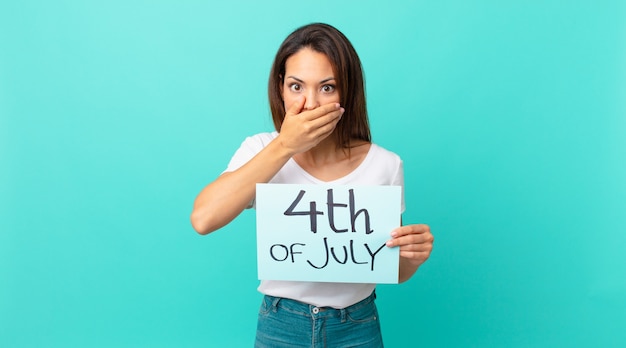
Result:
380,167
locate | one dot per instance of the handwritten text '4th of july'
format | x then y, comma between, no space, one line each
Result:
283,252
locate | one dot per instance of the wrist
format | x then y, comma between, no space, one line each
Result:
282,148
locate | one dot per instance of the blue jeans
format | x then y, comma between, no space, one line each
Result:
289,323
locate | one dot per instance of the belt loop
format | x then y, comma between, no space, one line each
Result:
343,315
275,304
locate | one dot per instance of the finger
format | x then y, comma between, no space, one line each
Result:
329,120
321,111
422,238
414,255
418,247
410,229
296,107
324,131
321,127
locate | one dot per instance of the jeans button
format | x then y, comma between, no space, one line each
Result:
316,310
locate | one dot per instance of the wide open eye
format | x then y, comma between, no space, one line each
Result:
295,87
328,88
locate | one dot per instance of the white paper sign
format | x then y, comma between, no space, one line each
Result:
327,233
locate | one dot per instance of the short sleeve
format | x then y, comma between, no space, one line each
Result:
249,148
398,180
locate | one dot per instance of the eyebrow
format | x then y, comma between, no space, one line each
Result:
299,80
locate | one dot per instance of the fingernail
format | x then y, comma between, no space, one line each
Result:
342,110
389,243
394,233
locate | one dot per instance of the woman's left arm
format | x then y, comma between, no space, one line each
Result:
416,243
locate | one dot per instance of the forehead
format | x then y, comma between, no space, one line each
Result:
308,63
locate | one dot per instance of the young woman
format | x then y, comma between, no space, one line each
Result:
317,99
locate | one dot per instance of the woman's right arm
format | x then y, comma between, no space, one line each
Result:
226,197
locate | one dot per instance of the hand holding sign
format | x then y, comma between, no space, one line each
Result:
415,242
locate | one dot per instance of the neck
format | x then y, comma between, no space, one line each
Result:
327,150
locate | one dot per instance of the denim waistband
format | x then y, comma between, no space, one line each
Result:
306,309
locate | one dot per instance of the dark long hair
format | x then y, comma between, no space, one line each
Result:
346,64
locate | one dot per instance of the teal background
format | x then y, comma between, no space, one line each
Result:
510,117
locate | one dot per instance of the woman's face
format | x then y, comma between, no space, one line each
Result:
309,73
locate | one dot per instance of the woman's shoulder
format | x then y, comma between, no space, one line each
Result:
380,153
251,146
260,140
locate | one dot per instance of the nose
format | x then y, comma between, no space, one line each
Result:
311,100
